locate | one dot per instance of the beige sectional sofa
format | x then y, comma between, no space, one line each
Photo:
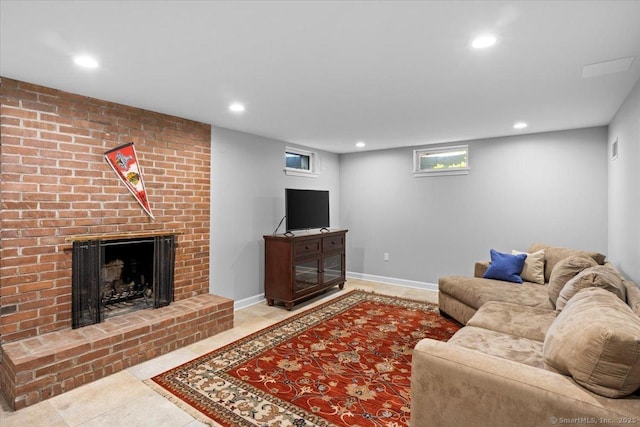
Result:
564,350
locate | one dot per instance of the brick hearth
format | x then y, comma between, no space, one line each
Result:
55,184
38,368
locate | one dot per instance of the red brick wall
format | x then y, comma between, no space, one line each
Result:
55,184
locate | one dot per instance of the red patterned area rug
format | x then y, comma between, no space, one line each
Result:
346,362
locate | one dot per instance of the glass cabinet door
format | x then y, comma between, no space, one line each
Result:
307,274
332,267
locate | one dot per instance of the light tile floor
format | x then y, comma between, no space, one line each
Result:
122,399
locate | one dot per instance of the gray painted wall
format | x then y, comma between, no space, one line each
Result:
247,202
548,187
624,187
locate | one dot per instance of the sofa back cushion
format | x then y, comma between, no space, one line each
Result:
554,254
633,296
601,276
565,270
596,340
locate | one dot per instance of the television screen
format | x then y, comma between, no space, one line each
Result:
306,209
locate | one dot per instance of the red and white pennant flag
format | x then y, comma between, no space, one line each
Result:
124,162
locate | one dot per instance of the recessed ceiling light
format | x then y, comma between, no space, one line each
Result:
520,125
484,41
236,107
85,61
360,144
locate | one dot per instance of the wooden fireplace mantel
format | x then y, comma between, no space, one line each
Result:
116,236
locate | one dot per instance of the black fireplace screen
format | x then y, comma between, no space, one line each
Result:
114,277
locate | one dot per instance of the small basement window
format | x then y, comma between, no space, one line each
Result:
300,162
441,161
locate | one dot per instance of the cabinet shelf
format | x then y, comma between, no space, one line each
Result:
301,266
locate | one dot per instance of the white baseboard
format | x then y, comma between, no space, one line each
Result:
393,281
257,299
247,302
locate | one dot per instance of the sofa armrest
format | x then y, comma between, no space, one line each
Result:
480,268
456,386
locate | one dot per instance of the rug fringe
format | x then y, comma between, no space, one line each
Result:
199,416
380,294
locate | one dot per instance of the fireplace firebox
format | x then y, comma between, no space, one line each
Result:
118,276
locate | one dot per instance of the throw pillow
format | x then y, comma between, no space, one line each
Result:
599,276
505,267
564,271
554,254
596,340
533,270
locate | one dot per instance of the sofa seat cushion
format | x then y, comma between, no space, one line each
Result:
596,340
475,292
513,319
505,346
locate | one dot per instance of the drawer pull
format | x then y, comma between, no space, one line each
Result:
306,247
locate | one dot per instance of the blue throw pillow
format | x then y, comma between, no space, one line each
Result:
505,267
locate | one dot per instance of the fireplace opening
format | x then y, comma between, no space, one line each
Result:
127,275
119,276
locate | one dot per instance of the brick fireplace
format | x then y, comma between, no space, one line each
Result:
56,187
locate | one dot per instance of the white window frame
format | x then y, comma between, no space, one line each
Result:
312,172
419,172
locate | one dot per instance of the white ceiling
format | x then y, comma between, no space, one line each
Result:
329,74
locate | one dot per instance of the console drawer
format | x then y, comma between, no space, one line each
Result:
333,242
306,247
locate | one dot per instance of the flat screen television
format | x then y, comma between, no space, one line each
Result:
306,209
